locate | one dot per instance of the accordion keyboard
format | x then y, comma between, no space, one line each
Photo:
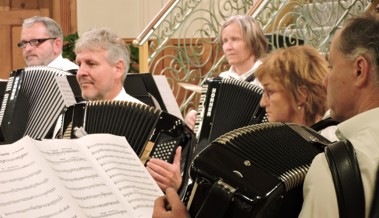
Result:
201,109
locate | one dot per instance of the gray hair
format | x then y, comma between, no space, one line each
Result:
53,28
103,38
360,36
252,33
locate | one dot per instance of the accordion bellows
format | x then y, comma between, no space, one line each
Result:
33,101
139,123
265,166
225,105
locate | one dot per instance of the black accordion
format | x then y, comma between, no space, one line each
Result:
33,100
151,132
225,105
254,171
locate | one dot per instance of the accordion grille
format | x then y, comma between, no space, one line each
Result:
275,148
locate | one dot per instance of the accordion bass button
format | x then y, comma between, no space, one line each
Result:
247,163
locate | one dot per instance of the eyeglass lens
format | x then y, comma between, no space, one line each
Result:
32,42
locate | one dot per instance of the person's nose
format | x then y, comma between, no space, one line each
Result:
82,71
28,47
227,46
264,100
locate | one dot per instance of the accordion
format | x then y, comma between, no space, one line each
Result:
33,100
225,105
151,132
254,171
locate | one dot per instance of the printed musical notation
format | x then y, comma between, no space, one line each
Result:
86,177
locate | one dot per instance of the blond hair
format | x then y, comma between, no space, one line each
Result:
296,67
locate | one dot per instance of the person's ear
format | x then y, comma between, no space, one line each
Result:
58,44
302,95
119,68
361,71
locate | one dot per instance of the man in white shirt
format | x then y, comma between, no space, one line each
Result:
352,86
42,43
103,61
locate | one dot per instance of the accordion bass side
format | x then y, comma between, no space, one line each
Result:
139,123
254,171
225,105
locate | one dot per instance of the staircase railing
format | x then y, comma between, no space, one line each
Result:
140,41
181,42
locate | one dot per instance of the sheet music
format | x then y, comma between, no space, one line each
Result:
167,95
28,187
95,176
65,90
125,170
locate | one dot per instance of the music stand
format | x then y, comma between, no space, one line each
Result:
153,90
142,86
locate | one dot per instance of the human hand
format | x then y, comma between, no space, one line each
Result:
170,206
190,119
166,174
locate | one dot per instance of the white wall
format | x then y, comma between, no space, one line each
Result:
126,17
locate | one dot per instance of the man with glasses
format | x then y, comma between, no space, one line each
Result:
42,42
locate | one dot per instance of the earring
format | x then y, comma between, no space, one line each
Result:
299,107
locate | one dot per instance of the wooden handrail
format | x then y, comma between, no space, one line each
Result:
140,40
254,7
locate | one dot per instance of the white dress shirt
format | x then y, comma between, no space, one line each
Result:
320,199
126,97
231,73
63,64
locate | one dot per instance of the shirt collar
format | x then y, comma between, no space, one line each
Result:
248,73
122,95
56,61
352,126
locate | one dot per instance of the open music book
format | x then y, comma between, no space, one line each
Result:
97,175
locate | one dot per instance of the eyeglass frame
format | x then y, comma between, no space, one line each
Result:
268,94
33,42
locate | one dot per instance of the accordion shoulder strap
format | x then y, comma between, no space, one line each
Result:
324,123
250,78
347,179
374,212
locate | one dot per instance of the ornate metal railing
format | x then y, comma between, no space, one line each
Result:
314,22
184,45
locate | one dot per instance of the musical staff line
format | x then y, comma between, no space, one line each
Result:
32,186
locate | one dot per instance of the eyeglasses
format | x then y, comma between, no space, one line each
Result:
269,93
32,42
